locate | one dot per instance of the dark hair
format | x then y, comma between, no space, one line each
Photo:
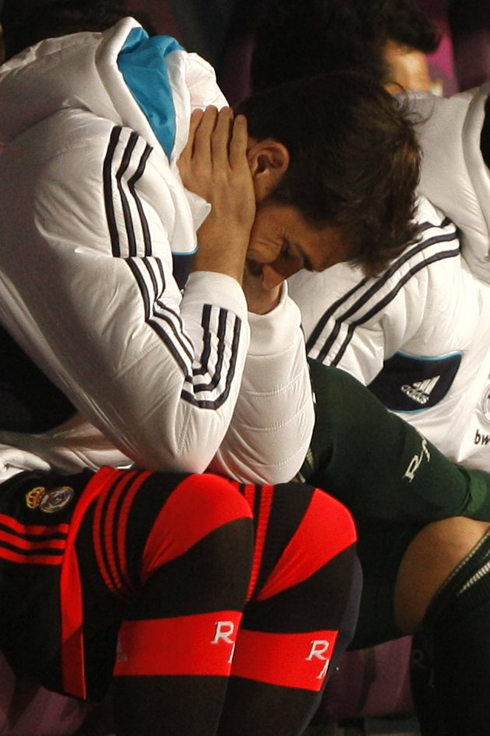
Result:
300,38
407,24
26,22
354,160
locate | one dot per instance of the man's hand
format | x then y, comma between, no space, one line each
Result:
214,165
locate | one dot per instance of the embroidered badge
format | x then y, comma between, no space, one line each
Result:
49,501
33,498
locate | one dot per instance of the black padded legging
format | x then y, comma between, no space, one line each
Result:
230,601
451,655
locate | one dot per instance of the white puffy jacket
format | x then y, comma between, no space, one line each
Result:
419,334
92,209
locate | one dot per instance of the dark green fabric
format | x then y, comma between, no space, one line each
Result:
393,481
369,459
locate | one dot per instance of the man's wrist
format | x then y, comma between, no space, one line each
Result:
264,302
221,250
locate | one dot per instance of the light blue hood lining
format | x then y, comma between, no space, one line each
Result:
143,64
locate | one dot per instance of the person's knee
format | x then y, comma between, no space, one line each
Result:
329,518
428,562
217,495
205,509
206,501
325,532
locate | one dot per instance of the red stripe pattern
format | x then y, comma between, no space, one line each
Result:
262,522
201,644
110,531
197,507
32,544
288,660
325,531
72,652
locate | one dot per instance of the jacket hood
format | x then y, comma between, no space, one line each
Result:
83,71
150,85
46,78
454,176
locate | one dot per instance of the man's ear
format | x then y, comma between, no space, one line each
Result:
268,161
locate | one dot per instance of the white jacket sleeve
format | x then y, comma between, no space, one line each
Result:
273,419
357,324
87,290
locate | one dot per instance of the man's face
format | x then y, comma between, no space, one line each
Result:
409,68
282,243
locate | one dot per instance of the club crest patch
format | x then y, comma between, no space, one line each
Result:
49,501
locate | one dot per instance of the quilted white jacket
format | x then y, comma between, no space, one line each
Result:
92,210
419,334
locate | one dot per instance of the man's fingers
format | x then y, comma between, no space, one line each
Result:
203,134
220,139
188,149
238,142
215,138
214,165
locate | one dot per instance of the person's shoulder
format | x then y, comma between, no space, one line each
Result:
75,142
437,237
427,212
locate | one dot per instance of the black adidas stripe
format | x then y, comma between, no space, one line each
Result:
185,355
128,220
216,378
109,192
169,318
379,306
220,400
132,187
166,323
377,286
206,346
150,267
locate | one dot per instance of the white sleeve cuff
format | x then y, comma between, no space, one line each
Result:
274,331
